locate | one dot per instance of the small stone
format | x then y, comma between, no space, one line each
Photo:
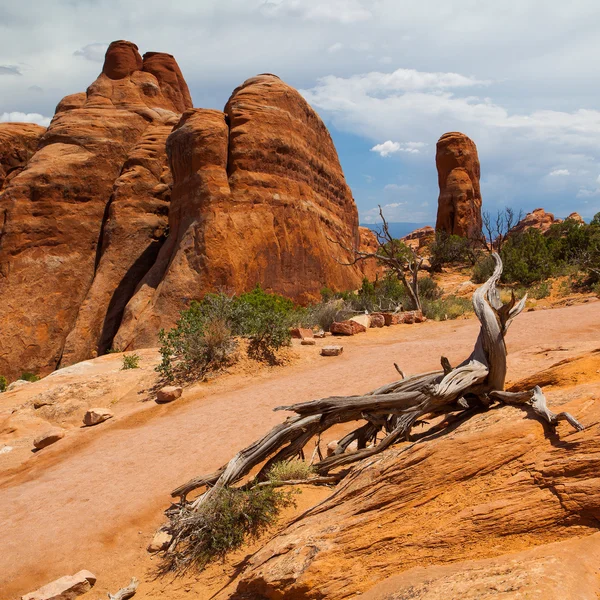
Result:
160,541
364,320
331,350
320,334
377,320
168,394
65,588
332,447
302,333
308,342
49,437
94,416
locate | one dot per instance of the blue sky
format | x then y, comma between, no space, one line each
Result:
389,77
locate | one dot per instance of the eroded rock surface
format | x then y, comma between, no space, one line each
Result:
459,202
54,211
537,219
257,192
18,143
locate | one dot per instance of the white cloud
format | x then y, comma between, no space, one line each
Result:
335,47
343,11
10,70
389,147
94,52
19,117
559,172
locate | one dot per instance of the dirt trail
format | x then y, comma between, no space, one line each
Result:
94,501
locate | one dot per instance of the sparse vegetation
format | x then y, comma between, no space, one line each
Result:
130,361
290,470
448,308
223,524
3,383
451,250
31,377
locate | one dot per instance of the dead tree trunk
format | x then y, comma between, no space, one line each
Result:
393,408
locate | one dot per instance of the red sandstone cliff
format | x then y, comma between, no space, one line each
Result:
459,202
53,211
258,190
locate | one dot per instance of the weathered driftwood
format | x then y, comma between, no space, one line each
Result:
126,592
393,408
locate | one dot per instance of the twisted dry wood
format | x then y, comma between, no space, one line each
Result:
393,408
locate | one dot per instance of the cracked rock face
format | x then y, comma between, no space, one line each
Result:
459,202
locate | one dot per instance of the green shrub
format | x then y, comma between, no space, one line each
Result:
223,524
539,291
325,313
3,383
483,269
290,470
130,361
450,249
448,308
200,342
429,289
265,319
32,377
526,258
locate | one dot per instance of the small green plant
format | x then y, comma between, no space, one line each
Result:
483,269
3,383
130,361
31,377
542,290
445,309
290,470
223,524
565,288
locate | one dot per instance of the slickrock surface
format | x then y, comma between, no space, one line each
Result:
18,143
498,484
54,211
257,192
459,202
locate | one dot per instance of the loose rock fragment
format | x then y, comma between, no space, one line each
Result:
94,416
308,342
49,437
168,394
160,541
331,350
65,588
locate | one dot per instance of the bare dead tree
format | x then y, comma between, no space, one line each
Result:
394,409
399,258
496,230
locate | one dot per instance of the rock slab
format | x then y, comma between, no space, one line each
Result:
349,327
331,350
65,588
49,437
95,416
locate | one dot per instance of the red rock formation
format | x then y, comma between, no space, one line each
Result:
575,217
18,142
53,211
538,219
419,238
459,203
257,192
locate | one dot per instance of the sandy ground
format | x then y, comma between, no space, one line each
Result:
93,500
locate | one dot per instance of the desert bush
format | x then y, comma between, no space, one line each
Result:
325,313
450,249
539,291
31,377
3,383
130,361
444,309
223,524
429,289
526,258
200,342
483,269
290,470
265,319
